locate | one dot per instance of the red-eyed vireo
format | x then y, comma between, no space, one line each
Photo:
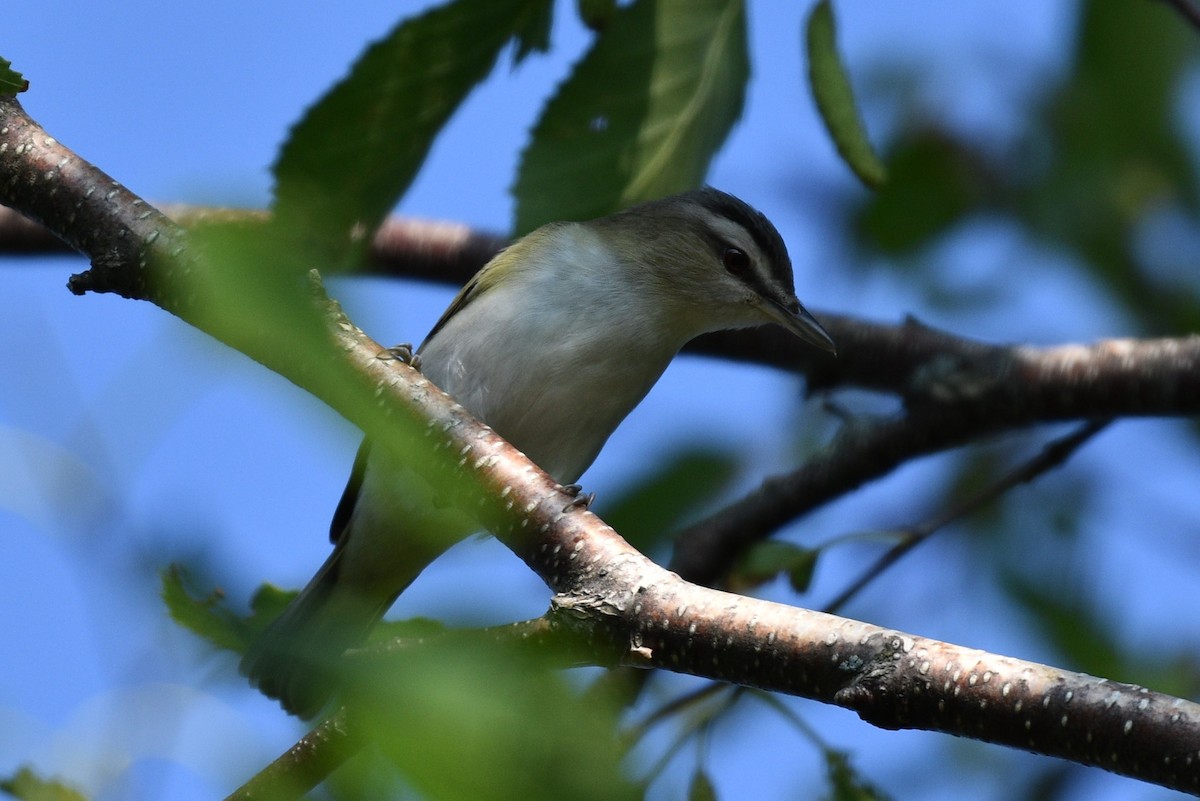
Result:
552,344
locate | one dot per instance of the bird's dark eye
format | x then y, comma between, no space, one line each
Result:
736,261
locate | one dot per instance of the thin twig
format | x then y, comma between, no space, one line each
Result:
1052,455
303,766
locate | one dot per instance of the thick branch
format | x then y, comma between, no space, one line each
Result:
952,402
641,614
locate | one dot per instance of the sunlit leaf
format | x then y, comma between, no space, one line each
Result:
835,97
205,617
356,151
642,114
485,720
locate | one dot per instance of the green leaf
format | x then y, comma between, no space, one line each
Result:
1118,155
532,30
658,504
642,114
701,788
845,782
934,182
768,559
11,81
596,14
835,98
473,718
355,152
205,616
28,786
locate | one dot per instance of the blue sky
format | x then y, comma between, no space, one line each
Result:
128,440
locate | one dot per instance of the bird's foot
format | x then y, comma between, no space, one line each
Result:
579,498
402,353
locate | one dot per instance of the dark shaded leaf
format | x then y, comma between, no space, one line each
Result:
701,788
933,182
596,14
356,151
11,81
844,781
656,505
641,115
768,559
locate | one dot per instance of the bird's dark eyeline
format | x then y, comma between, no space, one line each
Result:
761,229
778,264
537,344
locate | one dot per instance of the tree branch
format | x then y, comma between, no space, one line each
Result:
605,591
1051,457
952,402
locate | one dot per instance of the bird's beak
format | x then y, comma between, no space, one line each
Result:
802,324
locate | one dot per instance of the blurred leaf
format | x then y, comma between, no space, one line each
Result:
596,14
355,152
835,97
768,559
933,182
657,505
410,628
205,617
1116,151
11,81
641,115
268,603
484,720
1085,640
845,782
701,788
532,30
28,786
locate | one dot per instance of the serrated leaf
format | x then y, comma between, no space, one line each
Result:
835,97
11,81
532,31
642,114
204,617
29,786
355,152
770,558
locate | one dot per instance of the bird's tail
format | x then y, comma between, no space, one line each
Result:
295,658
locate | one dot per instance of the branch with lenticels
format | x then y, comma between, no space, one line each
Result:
623,607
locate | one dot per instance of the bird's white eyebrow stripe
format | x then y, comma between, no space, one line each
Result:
761,230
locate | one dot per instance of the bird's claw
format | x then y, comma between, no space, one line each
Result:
580,499
402,353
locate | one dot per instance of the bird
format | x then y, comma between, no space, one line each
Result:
552,343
